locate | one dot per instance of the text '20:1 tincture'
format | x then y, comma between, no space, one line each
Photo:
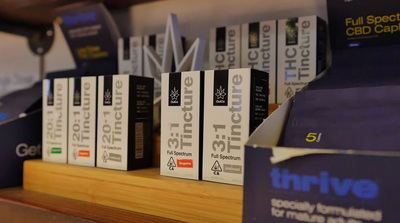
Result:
125,122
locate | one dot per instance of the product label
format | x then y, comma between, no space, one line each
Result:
225,47
318,188
82,121
181,124
55,117
296,55
112,130
226,128
355,23
259,51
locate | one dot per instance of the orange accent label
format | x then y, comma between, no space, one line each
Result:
185,163
84,153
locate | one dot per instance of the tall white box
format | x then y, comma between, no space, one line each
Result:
124,122
82,110
235,103
259,51
130,55
181,124
55,120
301,53
225,47
157,42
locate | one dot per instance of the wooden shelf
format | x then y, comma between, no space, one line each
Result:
143,191
18,205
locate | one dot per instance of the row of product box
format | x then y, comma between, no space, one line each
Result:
132,60
104,121
292,51
206,118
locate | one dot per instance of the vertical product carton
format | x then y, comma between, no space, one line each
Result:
130,55
301,53
225,47
259,51
82,110
55,120
181,124
235,103
157,42
124,122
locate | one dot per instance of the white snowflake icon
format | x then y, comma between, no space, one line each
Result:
220,93
174,94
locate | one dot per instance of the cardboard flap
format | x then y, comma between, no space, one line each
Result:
269,132
281,154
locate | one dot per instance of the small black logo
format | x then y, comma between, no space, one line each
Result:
77,92
220,39
126,48
254,33
50,92
292,31
107,91
221,87
174,89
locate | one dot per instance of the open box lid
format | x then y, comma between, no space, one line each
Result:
268,134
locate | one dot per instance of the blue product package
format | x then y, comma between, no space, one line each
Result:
353,118
21,101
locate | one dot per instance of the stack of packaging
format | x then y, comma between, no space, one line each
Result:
292,51
105,121
206,117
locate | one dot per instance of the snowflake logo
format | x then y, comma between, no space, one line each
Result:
220,93
107,97
174,94
77,96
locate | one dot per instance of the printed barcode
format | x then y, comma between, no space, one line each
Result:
139,140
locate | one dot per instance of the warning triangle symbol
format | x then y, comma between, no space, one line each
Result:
216,168
289,92
171,163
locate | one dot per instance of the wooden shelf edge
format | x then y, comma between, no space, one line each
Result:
74,208
143,191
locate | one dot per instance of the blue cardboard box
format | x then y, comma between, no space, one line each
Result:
316,185
20,140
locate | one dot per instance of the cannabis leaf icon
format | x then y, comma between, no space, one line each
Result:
107,96
220,93
174,94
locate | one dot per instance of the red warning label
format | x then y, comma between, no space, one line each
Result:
84,153
185,163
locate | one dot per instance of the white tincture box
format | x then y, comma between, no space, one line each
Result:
259,51
82,120
301,53
130,55
55,120
124,122
181,124
235,103
157,42
225,47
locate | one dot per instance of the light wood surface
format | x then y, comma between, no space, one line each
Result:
54,205
143,191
